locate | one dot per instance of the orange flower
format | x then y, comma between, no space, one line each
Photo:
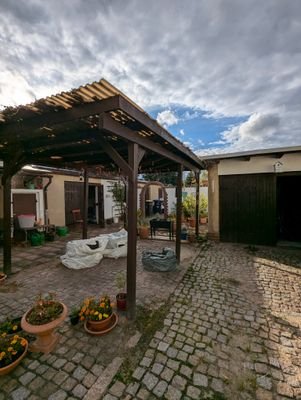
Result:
82,318
23,342
102,305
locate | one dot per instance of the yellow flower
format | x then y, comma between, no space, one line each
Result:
15,327
14,353
13,341
10,349
100,316
105,315
96,313
3,334
16,337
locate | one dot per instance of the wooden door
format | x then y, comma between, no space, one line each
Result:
74,198
248,209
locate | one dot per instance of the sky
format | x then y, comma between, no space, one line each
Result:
221,75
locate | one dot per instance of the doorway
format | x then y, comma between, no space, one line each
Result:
289,207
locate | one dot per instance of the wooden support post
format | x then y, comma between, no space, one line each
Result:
197,203
179,213
133,151
86,201
6,182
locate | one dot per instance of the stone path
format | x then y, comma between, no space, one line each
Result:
81,364
232,332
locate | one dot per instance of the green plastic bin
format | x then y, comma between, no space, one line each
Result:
62,230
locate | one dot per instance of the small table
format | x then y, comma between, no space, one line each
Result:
156,224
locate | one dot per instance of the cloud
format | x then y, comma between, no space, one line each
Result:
234,58
182,132
167,118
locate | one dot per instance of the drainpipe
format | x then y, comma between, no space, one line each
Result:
46,200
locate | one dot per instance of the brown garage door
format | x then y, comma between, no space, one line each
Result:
248,208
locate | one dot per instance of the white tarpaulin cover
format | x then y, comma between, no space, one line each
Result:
87,253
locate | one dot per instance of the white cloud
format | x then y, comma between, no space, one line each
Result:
182,132
233,58
167,118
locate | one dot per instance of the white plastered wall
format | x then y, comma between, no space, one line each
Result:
260,164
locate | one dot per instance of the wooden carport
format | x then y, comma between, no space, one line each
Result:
94,125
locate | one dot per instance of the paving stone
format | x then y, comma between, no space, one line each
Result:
89,379
217,385
157,368
173,364
133,388
79,391
179,382
163,346
285,390
26,378
58,395
138,373
167,374
160,389
186,371
264,382
69,384
161,358
117,389
36,384
108,396
145,362
60,377
173,393
79,373
46,390
200,380
20,393
150,380
97,369
194,393
59,363
143,394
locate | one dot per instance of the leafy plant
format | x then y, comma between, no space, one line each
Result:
46,309
10,326
189,205
118,193
203,205
11,348
120,280
96,310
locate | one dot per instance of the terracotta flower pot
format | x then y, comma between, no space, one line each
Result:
47,338
99,326
121,301
191,222
10,367
203,220
143,232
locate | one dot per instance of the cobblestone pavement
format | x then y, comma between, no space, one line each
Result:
80,363
233,331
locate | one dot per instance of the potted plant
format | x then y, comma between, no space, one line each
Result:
12,351
121,295
203,209
10,326
143,225
97,313
42,320
74,315
189,207
118,194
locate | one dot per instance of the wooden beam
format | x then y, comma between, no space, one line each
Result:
110,125
179,213
153,125
85,202
6,182
133,151
116,157
141,153
197,203
56,116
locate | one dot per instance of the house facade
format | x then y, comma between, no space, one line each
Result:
254,197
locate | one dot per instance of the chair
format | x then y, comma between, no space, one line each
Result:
77,218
